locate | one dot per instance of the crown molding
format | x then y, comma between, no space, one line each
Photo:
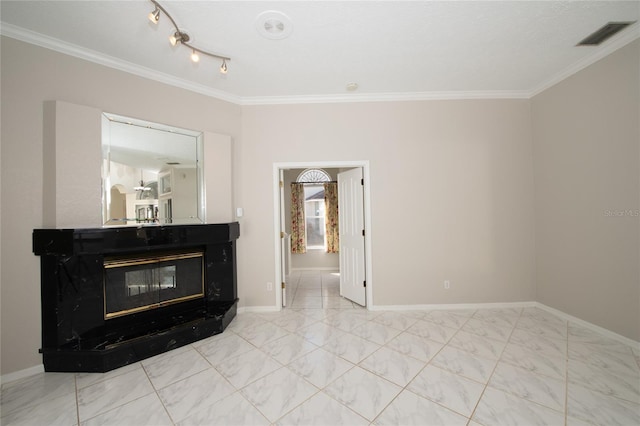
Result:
617,42
385,97
57,45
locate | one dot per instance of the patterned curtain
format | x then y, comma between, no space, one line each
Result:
298,225
331,217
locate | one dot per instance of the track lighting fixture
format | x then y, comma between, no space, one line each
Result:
181,37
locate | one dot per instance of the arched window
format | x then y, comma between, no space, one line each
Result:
314,206
311,176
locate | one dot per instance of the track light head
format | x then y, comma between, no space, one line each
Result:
223,67
178,37
155,15
194,56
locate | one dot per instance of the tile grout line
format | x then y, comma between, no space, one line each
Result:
75,383
405,388
458,329
310,397
515,324
428,363
236,389
371,320
469,419
293,372
357,365
157,394
397,395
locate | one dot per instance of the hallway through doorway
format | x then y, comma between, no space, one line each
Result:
316,289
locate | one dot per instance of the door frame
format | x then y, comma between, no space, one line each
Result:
277,214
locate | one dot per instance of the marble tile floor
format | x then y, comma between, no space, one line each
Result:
345,365
315,289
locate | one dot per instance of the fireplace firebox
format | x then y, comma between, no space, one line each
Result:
114,296
142,282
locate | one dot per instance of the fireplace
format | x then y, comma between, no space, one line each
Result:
141,282
114,296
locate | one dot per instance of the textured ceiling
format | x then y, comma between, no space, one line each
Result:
391,49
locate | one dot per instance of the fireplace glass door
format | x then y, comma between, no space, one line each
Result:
142,282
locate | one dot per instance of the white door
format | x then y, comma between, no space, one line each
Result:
351,228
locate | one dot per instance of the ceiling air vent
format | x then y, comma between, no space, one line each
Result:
604,33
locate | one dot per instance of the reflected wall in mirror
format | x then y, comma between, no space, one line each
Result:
151,173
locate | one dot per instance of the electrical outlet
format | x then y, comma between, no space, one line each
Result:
447,284
269,286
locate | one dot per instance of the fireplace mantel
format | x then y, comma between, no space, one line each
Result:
77,337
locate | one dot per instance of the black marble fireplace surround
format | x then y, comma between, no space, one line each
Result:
77,337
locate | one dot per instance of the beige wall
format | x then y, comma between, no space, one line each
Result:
451,183
31,76
72,199
452,187
586,151
451,193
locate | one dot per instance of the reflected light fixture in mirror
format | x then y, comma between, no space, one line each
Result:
152,173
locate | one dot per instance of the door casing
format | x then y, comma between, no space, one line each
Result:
277,167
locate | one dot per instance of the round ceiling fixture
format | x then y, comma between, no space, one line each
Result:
274,25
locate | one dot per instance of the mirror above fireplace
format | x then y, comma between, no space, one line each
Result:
76,193
151,173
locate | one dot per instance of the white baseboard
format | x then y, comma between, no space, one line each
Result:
586,324
17,375
452,306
